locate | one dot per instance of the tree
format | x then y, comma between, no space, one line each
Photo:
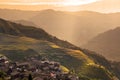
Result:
2,75
30,77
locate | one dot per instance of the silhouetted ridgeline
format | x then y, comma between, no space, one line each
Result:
8,27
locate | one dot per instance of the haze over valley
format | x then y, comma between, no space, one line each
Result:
82,25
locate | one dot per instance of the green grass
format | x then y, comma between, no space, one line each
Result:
17,48
64,69
96,72
13,47
18,55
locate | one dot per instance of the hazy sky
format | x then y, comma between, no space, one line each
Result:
64,5
47,2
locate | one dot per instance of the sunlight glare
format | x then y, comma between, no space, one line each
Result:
77,2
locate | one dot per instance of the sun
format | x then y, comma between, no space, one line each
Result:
77,2
48,2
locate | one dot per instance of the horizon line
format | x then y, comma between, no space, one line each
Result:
63,10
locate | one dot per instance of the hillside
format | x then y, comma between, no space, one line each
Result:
106,44
18,42
25,22
8,27
82,25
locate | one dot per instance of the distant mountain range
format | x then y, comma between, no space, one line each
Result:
16,14
82,25
107,44
18,42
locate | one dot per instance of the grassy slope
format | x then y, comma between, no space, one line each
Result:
16,48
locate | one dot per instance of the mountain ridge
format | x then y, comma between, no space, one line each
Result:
20,31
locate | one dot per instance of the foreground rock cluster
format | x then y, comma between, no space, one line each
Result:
36,69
